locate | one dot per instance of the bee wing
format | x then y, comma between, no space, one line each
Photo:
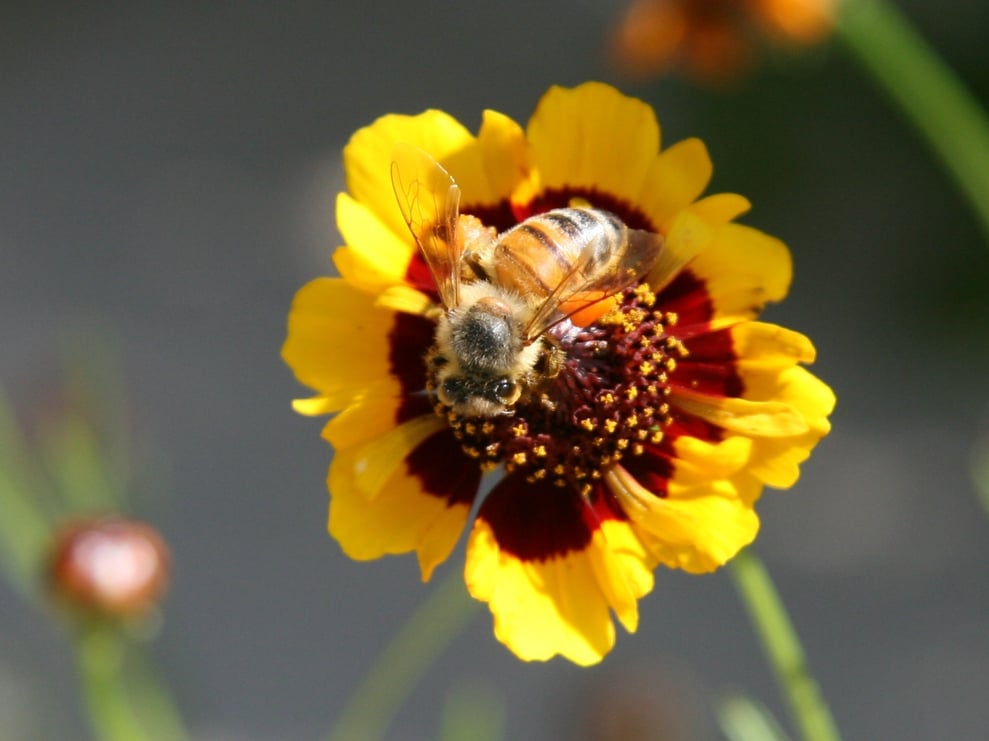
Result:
585,286
429,199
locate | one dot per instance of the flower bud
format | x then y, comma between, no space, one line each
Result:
109,566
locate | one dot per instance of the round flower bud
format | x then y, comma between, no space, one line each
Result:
109,566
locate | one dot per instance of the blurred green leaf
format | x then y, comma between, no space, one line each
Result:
474,711
743,719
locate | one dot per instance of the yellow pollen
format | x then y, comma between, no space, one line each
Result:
539,474
470,428
473,452
664,408
642,434
587,424
632,420
652,389
631,393
519,430
646,368
519,458
540,451
622,443
487,466
487,428
671,318
645,294
637,449
610,425
559,469
585,490
671,365
648,411
657,436
608,399
560,483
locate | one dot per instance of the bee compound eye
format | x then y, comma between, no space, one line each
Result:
451,391
506,390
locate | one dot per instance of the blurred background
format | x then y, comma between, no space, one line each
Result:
167,183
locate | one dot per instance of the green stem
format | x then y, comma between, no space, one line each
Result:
100,655
948,117
125,700
398,668
782,647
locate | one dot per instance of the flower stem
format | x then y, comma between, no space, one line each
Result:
430,629
783,649
100,655
948,117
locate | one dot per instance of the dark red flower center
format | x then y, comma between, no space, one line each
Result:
608,401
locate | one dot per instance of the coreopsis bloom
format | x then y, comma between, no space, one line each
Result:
649,445
713,39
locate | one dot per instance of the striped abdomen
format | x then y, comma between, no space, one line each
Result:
533,258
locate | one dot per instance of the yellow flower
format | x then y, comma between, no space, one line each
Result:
713,39
649,447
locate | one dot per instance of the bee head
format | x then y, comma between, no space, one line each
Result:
473,397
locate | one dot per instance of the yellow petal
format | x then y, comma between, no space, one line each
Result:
592,136
721,208
376,257
540,608
760,346
687,237
505,156
776,461
337,341
698,461
743,269
314,406
366,418
402,518
367,158
694,528
674,180
753,418
375,462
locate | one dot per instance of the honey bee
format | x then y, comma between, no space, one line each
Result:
500,293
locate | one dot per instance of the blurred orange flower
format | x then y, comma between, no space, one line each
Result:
714,40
